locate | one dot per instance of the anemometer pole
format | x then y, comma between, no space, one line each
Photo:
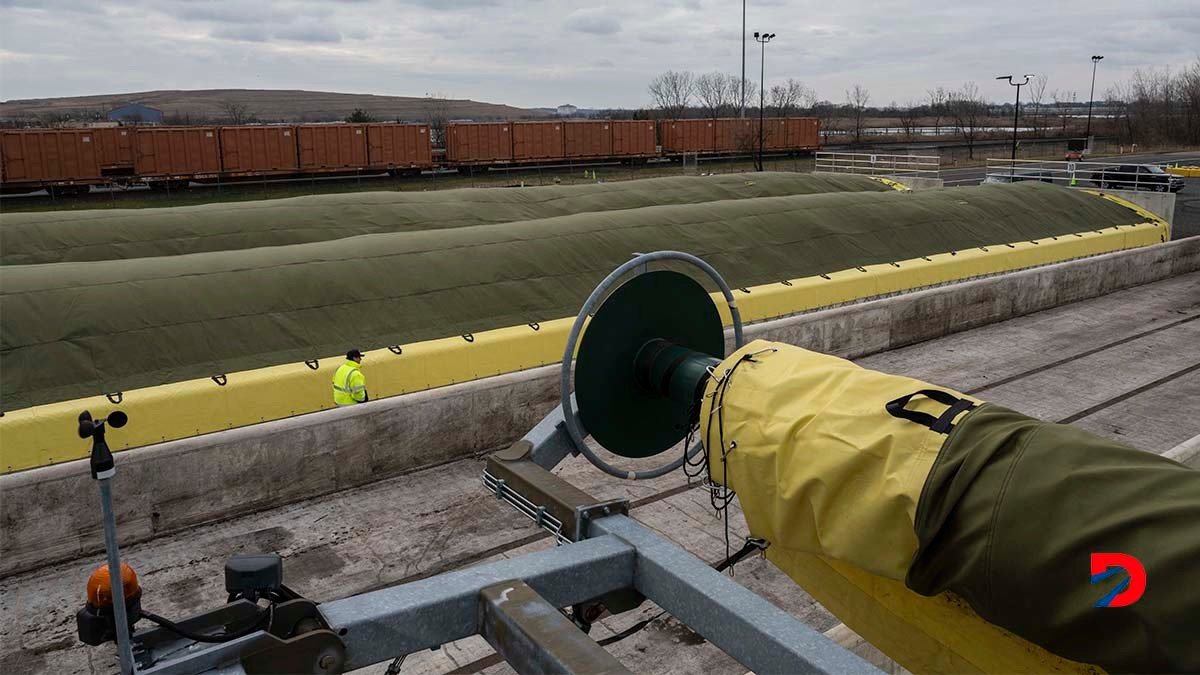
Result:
103,470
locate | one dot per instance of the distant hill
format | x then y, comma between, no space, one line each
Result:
269,105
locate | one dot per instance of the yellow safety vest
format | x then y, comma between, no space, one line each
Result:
349,384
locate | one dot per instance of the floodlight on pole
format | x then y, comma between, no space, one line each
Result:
1095,60
762,39
743,81
1016,109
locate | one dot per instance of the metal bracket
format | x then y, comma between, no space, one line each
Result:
543,497
585,514
297,640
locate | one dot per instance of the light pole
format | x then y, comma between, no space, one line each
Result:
1092,95
743,59
762,39
1016,110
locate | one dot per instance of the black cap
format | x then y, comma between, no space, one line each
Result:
354,354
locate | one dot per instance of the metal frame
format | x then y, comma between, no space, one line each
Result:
867,164
608,557
1073,174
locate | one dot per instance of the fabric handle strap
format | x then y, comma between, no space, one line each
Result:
941,424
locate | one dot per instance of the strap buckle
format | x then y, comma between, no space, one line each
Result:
942,424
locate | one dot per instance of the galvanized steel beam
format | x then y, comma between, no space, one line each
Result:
404,619
759,635
534,637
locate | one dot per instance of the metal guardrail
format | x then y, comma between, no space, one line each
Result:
1093,175
866,164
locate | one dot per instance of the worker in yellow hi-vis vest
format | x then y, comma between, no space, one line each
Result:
349,383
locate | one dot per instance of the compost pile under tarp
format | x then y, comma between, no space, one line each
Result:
77,329
119,234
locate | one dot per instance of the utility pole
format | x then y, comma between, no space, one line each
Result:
1016,110
762,39
1092,95
743,82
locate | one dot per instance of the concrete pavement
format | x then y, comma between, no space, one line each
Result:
1120,349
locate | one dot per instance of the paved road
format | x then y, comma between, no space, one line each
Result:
1187,202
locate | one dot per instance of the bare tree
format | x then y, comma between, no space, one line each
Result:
1037,94
787,97
967,109
937,106
437,110
1188,94
857,99
235,112
751,93
717,92
908,117
672,91
1062,105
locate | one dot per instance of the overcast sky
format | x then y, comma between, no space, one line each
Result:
592,54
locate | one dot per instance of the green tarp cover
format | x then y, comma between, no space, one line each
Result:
117,234
78,329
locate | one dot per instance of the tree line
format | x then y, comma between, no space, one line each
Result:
1153,107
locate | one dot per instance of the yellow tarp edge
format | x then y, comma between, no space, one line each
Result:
1150,216
939,634
895,185
44,435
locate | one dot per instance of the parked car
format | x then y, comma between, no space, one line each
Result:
1137,177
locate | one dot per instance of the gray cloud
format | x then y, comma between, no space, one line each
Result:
241,33
542,52
309,31
594,21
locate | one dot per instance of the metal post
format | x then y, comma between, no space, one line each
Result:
762,39
1016,116
762,85
124,648
743,83
1016,113
1092,95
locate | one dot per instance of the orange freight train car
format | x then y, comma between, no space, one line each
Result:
532,141
472,143
331,147
258,150
400,148
736,135
586,139
680,136
609,139
65,159
176,154
634,138
116,151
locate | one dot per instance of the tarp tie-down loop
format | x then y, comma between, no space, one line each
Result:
752,544
941,424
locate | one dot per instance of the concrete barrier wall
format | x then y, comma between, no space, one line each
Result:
916,183
52,514
1161,204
